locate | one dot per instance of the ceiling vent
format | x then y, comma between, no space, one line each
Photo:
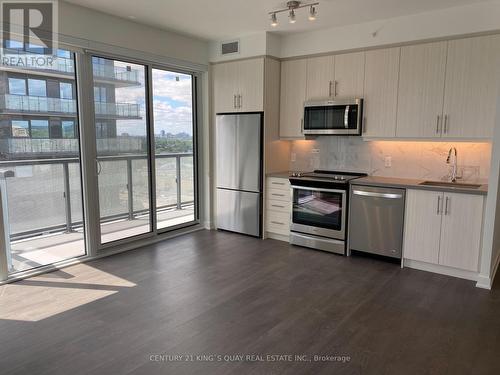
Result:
230,47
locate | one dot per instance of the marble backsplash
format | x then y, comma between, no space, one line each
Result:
422,160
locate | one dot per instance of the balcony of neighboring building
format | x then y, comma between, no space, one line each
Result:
64,67
24,104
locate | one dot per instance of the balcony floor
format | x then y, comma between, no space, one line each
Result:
51,248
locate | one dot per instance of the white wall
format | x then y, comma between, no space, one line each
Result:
473,18
250,45
491,230
91,25
456,21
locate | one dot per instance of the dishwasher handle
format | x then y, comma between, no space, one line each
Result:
377,195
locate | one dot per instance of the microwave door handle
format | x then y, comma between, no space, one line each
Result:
346,117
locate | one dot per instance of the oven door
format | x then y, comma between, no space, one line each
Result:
319,211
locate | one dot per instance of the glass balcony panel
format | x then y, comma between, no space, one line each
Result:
113,193
187,179
140,173
36,198
166,186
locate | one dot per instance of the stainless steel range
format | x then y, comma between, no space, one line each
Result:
319,209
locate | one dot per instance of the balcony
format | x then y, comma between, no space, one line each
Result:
119,75
65,67
45,208
117,110
37,104
21,104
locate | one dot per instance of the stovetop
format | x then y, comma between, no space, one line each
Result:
327,176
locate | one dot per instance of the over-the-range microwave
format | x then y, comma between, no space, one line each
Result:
333,117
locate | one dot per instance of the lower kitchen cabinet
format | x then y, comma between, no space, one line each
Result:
277,208
443,228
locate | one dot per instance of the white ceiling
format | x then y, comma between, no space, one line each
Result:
220,19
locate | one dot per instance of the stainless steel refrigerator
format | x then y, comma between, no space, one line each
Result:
239,172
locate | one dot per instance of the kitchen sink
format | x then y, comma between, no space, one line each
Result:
450,184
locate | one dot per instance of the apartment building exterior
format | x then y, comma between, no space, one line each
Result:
38,109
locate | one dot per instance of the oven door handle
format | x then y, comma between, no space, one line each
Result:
377,195
318,189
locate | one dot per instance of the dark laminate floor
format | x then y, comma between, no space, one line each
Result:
225,294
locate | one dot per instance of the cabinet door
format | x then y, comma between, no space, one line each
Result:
381,92
421,86
225,83
349,75
293,93
320,77
422,225
461,231
251,85
472,71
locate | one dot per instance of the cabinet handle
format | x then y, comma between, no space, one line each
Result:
301,126
446,210
277,183
445,124
278,195
330,88
277,222
437,124
334,88
277,205
234,101
239,101
438,206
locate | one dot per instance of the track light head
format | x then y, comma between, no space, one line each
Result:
291,16
274,20
312,13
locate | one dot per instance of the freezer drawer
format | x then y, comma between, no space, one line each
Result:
376,220
239,211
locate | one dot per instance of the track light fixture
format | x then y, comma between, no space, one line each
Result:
312,13
274,20
291,7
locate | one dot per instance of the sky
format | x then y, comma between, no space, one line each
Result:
172,103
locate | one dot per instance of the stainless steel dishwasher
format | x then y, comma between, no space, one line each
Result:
376,220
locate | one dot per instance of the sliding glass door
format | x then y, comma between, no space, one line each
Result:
174,142
40,169
122,142
145,152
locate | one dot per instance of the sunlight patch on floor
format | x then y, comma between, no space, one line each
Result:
46,295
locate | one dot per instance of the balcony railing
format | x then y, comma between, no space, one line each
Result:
118,73
44,196
25,103
29,62
42,104
117,110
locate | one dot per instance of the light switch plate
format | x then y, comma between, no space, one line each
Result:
388,161
293,156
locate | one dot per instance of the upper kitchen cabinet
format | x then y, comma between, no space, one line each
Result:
471,87
225,86
251,85
381,92
292,97
421,87
320,77
239,86
349,75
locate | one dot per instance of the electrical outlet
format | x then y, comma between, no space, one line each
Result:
293,157
388,161
315,151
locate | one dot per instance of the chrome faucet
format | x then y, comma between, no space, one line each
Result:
454,169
